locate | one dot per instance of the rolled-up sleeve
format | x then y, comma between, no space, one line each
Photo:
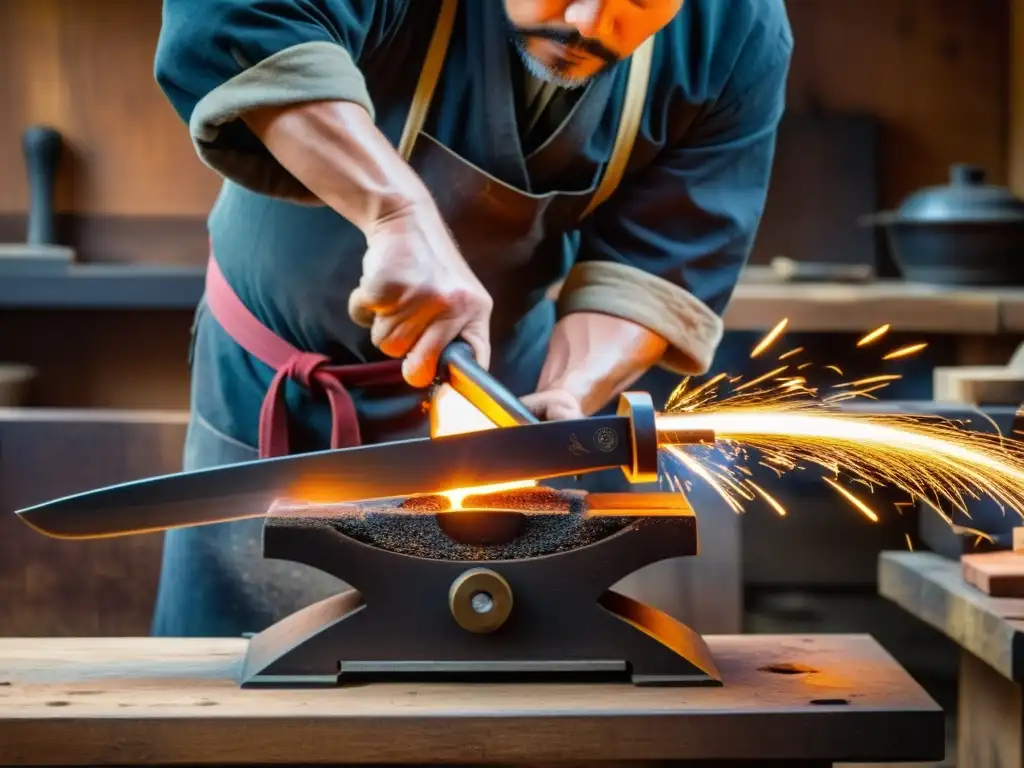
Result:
217,59
667,249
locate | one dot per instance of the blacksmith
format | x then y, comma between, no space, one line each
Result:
399,173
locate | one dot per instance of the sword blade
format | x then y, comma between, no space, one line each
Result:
389,470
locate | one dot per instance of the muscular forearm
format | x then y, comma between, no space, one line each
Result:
595,357
336,151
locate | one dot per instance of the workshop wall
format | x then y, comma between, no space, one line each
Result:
85,67
933,72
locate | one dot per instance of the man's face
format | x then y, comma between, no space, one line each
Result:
568,42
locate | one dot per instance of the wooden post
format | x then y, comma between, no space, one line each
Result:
1016,98
989,731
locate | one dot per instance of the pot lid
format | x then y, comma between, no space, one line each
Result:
967,197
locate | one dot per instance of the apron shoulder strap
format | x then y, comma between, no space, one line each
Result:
430,74
629,123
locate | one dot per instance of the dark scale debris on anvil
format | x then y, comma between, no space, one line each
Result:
553,521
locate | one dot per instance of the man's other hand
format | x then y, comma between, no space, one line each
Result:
553,405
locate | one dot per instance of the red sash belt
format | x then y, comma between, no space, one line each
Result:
312,371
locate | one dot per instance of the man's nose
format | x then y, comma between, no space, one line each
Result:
591,18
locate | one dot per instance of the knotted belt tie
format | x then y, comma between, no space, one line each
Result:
310,370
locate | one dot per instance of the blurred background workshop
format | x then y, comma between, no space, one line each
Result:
911,108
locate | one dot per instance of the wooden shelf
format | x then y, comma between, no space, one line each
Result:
105,286
855,308
810,307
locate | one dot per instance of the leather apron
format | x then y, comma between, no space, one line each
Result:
214,581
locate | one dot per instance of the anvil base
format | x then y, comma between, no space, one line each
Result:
538,618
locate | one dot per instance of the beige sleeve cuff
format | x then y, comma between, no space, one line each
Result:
691,329
307,72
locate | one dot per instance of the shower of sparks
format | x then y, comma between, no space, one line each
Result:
769,499
791,425
913,349
869,380
869,513
768,340
875,335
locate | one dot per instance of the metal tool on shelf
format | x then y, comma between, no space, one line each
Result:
40,254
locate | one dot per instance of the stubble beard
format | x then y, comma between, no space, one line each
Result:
544,72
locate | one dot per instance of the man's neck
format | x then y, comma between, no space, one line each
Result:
537,95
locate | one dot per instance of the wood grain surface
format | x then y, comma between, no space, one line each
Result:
989,717
1015,150
103,587
936,80
826,307
86,68
102,359
990,633
164,701
933,589
934,72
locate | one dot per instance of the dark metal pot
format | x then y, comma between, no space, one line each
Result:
966,233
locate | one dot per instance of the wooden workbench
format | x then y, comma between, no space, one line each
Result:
990,633
795,700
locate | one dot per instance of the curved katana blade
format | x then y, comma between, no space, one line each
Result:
389,470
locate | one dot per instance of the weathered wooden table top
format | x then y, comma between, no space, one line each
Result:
143,701
932,588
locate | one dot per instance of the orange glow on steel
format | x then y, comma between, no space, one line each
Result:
455,415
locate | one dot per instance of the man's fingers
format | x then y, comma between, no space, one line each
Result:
420,365
372,299
478,335
553,405
395,335
359,309
564,412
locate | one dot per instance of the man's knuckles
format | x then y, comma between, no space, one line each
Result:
465,301
553,405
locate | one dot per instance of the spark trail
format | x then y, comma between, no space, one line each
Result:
791,425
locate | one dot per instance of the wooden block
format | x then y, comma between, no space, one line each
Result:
979,384
998,574
1018,539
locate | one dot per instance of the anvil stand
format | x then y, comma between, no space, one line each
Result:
547,617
